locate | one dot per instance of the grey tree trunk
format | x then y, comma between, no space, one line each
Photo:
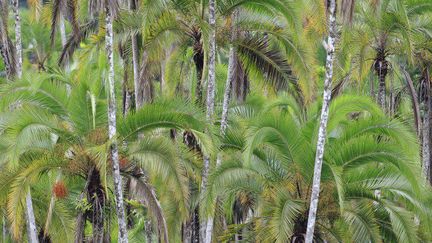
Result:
18,42
210,95
426,127
62,30
426,141
112,130
224,119
323,123
30,218
135,65
381,89
6,48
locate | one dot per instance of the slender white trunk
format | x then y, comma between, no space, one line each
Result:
210,94
5,50
63,38
112,131
323,123
62,30
426,156
135,67
426,145
30,218
18,43
224,119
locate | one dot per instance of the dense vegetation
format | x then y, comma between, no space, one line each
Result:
216,121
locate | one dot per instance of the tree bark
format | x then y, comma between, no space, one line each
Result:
381,69
224,119
18,43
135,59
426,126
112,130
211,82
323,123
210,95
30,218
62,30
6,47
135,65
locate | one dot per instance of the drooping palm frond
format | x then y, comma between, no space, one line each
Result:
147,192
258,57
74,41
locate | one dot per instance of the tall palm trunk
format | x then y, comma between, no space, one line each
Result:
18,43
210,94
323,123
30,218
381,69
135,62
6,47
426,124
112,130
224,119
198,58
62,29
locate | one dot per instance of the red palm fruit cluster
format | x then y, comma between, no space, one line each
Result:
60,190
124,162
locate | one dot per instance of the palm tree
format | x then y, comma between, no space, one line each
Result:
322,132
226,99
84,149
211,83
383,31
112,125
265,180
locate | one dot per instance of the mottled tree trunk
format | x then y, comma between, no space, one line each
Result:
426,125
30,218
322,132
148,230
224,119
62,30
6,47
135,62
126,95
112,130
381,91
135,65
210,95
381,69
426,141
18,42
